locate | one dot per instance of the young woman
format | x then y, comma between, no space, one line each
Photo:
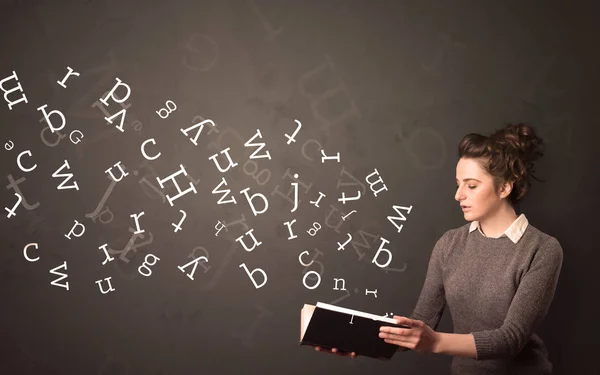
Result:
497,274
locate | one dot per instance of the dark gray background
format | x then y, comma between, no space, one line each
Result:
408,78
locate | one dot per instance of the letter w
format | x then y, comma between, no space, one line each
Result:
393,219
67,175
259,145
64,276
225,192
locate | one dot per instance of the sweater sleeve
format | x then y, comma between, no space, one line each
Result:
432,299
528,307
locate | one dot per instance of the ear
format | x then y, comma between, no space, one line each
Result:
506,189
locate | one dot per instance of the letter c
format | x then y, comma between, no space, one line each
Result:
300,259
144,149
25,252
21,165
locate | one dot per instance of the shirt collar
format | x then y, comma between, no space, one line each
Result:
514,232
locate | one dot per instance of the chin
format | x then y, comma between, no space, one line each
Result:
469,216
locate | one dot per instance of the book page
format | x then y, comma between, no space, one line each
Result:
305,314
355,312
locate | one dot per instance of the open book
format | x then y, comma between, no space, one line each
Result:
331,326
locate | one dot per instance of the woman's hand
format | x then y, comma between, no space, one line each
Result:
420,337
336,351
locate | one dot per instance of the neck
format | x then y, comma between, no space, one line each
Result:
498,222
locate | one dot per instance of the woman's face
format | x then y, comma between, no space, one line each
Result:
475,190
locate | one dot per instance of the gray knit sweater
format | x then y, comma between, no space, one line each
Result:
497,290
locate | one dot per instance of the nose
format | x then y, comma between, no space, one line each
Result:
459,194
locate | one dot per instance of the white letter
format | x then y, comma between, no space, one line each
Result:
231,163
316,203
168,110
292,138
17,88
172,177
25,252
343,199
201,125
76,139
252,278
73,229
195,261
343,246
12,212
47,117
371,184
249,199
143,148
178,226
260,147
69,73
219,226
137,223
123,173
68,175
110,287
256,243
343,284
122,112
108,257
21,165
325,157
393,219
64,276
112,91
383,242
225,192
289,225
147,263
306,275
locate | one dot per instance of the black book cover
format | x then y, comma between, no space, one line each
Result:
346,329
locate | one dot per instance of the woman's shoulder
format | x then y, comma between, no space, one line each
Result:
538,239
457,233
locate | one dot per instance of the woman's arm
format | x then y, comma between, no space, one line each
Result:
432,299
456,344
528,307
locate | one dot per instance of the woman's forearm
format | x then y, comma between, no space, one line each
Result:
456,344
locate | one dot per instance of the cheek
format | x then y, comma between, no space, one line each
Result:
483,198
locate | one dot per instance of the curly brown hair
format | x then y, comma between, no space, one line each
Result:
508,155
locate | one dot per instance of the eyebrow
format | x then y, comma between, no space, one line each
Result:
470,179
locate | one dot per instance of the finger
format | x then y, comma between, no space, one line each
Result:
402,343
394,331
408,322
339,352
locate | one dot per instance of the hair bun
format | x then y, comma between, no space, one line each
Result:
520,139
